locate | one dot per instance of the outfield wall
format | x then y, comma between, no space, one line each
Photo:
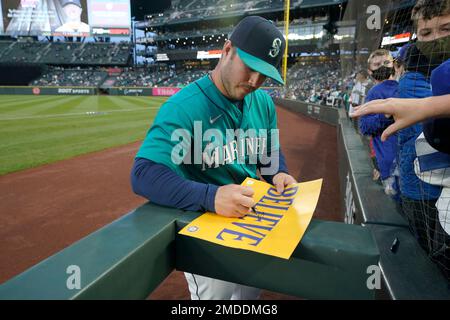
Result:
49,90
114,91
122,91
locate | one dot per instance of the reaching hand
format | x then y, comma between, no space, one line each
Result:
405,113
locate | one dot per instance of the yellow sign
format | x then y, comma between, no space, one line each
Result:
276,226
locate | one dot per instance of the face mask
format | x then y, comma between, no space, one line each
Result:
382,73
437,51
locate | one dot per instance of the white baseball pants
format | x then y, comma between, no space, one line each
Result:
204,288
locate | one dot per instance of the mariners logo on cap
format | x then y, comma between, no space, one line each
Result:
259,43
276,45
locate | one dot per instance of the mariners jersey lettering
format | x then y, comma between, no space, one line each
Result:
204,137
242,150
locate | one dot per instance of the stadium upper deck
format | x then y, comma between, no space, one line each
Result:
187,11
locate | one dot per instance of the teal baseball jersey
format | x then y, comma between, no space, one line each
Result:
203,136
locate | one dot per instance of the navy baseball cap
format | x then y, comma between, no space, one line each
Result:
66,2
260,45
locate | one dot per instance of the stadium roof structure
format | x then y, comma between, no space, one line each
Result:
162,21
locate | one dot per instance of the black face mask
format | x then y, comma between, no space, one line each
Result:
437,51
382,73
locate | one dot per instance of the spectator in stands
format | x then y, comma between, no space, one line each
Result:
381,69
418,197
431,165
429,221
400,60
436,47
345,98
72,11
432,19
359,90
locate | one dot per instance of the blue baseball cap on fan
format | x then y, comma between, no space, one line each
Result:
260,45
402,54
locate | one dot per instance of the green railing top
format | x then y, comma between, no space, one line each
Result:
128,258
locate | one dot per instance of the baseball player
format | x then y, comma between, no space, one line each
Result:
178,167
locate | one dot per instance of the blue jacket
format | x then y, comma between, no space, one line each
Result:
412,85
437,131
374,124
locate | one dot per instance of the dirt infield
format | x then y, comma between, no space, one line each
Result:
45,209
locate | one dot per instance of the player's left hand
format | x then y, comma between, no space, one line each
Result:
281,180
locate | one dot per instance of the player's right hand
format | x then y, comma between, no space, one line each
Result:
234,201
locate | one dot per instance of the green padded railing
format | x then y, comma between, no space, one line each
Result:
126,259
130,257
372,205
330,262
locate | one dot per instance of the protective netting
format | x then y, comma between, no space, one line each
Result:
415,35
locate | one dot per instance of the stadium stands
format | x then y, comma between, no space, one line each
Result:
71,77
183,79
142,77
63,53
312,83
21,51
316,82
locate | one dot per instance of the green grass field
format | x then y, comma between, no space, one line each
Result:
36,130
